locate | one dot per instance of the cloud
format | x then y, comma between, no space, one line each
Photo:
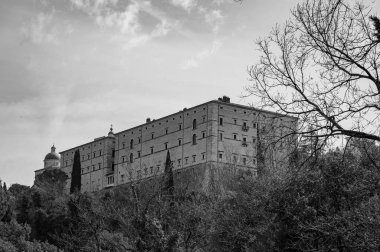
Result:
215,19
40,30
93,7
127,21
202,55
187,5
160,30
218,2
131,31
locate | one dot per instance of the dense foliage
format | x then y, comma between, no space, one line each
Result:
331,203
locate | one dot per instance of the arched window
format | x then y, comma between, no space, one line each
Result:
131,144
131,158
194,139
194,123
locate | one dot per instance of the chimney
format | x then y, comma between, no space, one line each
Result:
148,120
225,99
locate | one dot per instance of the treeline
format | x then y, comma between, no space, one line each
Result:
326,202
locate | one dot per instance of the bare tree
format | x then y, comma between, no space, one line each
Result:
322,66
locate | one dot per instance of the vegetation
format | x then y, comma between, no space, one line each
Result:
331,204
76,174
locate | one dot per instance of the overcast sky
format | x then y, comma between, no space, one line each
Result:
70,68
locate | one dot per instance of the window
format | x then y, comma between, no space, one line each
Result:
203,134
166,131
152,135
166,146
235,159
186,160
113,152
100,152
123,145
194,156
179,162
100,165
93,168
113,166
179,142
194,124
131,158
110,180
123,158
139,139
151,170
244,141
151,150
122,177
221,136
203,156
244,124
82,170
221,121
180,126
244,161
88,156
139,154
254,125
235,121
235,136
254,140
220,156
194,139
131,144
93,154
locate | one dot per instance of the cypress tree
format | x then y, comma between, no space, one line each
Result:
76,174
168,187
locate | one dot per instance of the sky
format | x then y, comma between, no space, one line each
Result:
71,68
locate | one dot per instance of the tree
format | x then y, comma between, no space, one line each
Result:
323,67
168,187
52,181
76,174
331,205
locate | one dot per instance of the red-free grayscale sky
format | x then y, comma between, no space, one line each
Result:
70,68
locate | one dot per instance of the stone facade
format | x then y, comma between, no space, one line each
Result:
208,136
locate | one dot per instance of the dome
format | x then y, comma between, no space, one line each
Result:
52,155
110,134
